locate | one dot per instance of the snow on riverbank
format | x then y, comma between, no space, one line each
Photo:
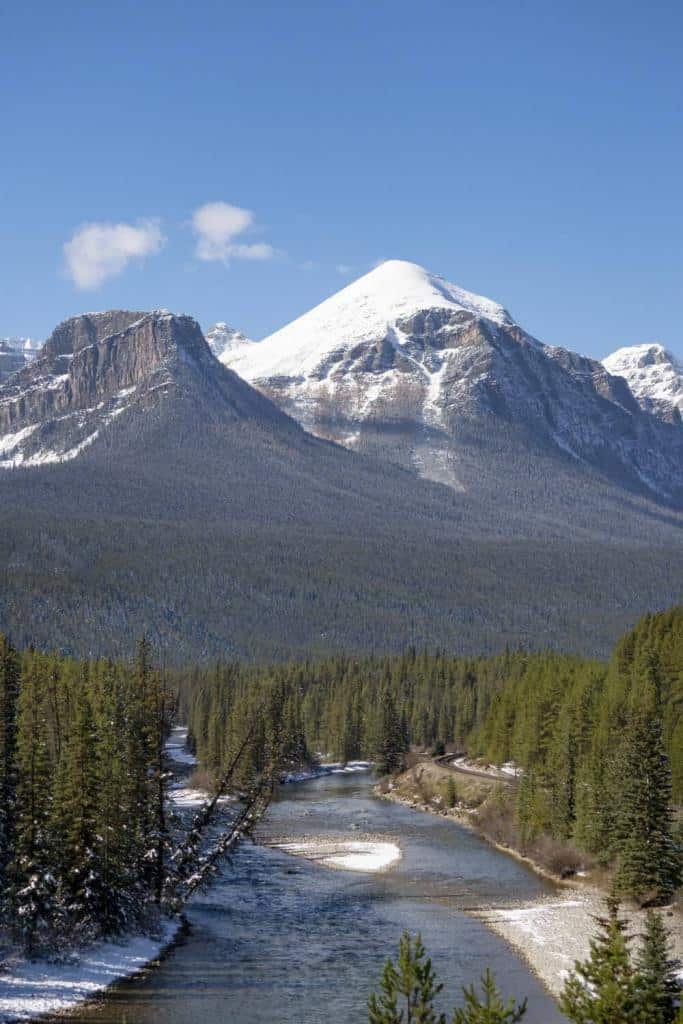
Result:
175,747
183,796
509,770
552,934
34,988
349,855
329,768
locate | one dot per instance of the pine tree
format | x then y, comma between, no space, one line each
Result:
119,908
657,984
391,739
649,859
33,882
407,990
9,694
490,1009
76,839
603,988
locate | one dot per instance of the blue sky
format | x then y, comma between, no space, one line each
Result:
531,151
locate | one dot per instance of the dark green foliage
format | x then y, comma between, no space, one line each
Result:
614,987
407,989
489,1008
31,893
658,990
649,865
603,989
9,693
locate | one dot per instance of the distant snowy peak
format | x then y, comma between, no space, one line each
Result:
369,309
15,353
28,345
223,340
654,376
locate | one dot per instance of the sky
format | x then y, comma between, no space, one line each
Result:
243,161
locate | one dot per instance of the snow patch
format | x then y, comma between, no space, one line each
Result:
329,768
351,855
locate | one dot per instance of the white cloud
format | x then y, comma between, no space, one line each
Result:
217,226
98,251
344,269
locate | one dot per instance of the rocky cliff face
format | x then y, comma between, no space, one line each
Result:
95,367
413,368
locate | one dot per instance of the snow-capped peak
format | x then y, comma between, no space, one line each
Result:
223,340
29,346
653,374
364,310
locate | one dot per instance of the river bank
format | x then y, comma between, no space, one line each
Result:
34,988
550,934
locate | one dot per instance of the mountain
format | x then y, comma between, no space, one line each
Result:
14,354
146,489
223,340
95,367
654,376
406,365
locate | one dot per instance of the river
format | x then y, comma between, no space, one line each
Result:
281,940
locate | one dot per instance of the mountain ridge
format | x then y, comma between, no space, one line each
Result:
376,368
202,516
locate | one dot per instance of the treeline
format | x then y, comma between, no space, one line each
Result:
83,815
89,843
600,747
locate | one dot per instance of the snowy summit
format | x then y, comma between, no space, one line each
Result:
362,311
223,340
653,375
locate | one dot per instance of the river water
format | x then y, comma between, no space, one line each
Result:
281,940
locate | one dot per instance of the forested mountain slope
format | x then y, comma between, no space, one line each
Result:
154,492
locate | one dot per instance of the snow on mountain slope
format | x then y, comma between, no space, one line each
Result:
363,311
654,376
403,364
223,340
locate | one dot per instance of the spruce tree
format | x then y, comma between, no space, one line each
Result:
76,837
33,882
649,859
658,991
407,989
9,694
603,988
490,1008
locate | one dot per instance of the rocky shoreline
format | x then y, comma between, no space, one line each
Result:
550,934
